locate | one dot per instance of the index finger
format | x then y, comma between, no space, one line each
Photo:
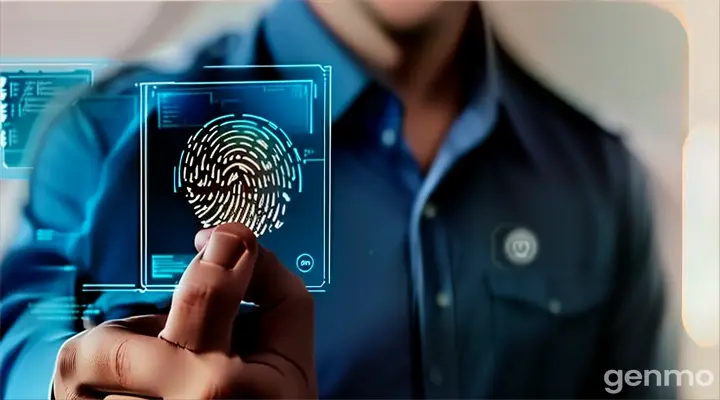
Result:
286,317
273,284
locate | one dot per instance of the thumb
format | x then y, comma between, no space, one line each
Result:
207,298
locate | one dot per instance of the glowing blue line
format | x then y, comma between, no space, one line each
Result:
300,182
327,186
263,66
285,134
265,128
46,64
218,118
232,121
66,75
188,92
257,117
143,186
179,168
247,121
244,126
108,285
223,83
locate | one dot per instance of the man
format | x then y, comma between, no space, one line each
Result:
443,148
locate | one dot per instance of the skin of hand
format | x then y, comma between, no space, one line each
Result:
187,354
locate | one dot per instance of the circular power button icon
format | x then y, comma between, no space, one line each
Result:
304,263
521,246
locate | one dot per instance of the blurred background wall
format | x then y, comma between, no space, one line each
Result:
624,63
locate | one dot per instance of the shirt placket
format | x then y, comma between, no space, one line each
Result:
430,266
433,280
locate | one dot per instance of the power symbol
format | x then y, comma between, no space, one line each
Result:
304,263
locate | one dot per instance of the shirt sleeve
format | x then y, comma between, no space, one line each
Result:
38,302
639,343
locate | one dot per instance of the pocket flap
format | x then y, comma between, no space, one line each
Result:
558,292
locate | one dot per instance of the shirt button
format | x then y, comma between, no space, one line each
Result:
389,137
430,211
436,376
555,306
443,300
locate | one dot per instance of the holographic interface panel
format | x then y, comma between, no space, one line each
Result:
249,148
27,92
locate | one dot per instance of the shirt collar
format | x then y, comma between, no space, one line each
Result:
295,36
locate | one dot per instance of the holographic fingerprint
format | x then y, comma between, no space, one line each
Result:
240,169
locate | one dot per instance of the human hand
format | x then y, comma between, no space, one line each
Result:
187,355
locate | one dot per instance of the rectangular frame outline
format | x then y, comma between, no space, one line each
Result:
4,168
327,146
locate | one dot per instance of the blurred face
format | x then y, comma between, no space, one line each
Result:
405,16
366,26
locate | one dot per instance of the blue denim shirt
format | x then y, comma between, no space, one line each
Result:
425,301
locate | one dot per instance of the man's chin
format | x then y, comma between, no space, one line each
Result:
404,17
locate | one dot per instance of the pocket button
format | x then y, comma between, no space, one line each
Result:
555,306
430,211
443,300
436,376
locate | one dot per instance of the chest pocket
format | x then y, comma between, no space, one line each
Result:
545,326
560,293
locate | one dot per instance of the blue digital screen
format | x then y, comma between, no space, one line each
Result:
28,93
238,148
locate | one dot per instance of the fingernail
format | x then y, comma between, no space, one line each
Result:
202,237
223,249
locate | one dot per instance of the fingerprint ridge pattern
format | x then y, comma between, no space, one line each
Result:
240,169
